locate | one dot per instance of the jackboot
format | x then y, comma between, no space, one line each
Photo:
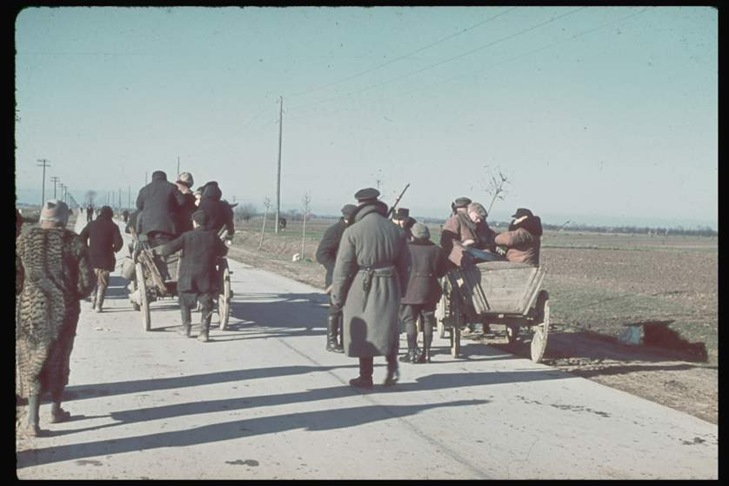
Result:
428,325
184,330
205,326
333,324
393,373
364,380
412,353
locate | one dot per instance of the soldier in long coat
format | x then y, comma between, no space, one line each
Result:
53,275
326,255
369,280
198,277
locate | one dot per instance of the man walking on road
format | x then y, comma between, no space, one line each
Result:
103,238
326,255
198,278
369,279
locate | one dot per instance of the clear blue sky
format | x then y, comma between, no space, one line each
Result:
599,115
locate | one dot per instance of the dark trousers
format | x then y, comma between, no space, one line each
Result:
189,300
409,314
367,365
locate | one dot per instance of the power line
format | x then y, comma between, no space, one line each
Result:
401,57
467,53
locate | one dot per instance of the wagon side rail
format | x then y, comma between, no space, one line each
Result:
496,288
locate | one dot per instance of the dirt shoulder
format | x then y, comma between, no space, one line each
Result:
672,378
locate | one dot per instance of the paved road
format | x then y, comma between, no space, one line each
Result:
264,400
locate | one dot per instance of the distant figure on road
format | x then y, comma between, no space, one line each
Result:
198,279
125,215
369,280
326,255
89,213
281,223
53,274
103,238
428,264
523,238
161,202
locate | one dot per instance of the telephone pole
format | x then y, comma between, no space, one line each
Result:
55,180
278,176
43,163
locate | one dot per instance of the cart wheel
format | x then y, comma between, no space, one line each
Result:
143,298
224,299
455,336
541,330
512,333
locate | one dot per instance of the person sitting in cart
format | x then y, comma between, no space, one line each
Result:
467,226
198,277
161,202
428,264
522,240
219,213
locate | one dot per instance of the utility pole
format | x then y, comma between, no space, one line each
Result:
43,163
129,197
55,180
278,177
178,167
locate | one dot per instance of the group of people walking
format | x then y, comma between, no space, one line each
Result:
380,274
57,268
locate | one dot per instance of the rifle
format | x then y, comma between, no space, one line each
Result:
394,205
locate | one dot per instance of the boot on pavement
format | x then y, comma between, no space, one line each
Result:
333,323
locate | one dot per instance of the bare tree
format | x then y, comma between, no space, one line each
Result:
379,179
306,203
245,212
266,204
495,185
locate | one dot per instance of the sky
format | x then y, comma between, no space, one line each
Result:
589,115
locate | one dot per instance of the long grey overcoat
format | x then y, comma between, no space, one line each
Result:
370,318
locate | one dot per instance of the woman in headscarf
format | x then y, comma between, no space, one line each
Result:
53,275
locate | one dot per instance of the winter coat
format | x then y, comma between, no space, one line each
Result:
53,274
103,238
200,251
326,252
428,264
460,227
522,241
160,201
219,213
373,254
184,215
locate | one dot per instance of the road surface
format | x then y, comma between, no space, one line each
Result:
264,400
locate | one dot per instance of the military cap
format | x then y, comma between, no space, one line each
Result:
366,195
348,210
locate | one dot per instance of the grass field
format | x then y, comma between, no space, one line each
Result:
598,282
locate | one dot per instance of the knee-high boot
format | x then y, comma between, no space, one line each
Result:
205,324
366,368
428,325
186,321
334,322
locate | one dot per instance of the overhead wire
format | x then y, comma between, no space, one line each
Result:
404,56
440,63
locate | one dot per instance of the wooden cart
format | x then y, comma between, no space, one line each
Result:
495,292
155,278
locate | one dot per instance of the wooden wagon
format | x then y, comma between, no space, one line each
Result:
495,292
155,277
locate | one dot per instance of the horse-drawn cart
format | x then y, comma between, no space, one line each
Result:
155,277
495,292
